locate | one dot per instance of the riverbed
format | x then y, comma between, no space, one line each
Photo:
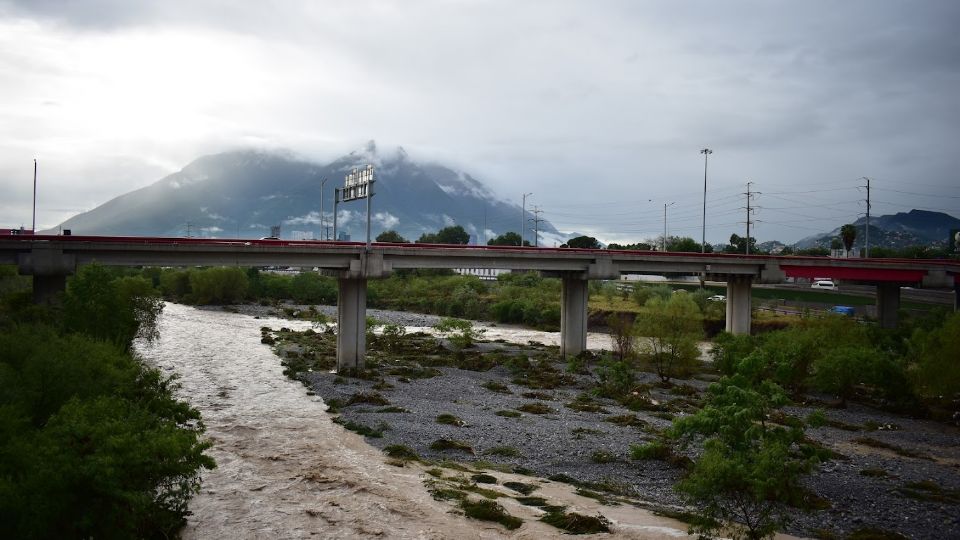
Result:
286,471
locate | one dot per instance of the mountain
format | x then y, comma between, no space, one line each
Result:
900,230
244,193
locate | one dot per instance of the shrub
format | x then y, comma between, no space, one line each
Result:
671,329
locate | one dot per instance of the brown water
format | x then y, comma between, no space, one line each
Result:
286,471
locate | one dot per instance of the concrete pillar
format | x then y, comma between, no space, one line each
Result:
573,316
888,303
351,323
46,288
739,307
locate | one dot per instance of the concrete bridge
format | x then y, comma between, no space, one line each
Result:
50,259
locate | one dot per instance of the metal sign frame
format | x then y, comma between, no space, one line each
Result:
357,184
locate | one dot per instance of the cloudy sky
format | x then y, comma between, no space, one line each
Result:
599,108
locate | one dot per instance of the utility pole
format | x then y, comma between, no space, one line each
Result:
866,249
33,227
523,218
336,201
322,182
703,238
189,225
536,225
665,205
749,195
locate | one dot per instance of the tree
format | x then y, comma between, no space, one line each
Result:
639,246
738,244
506,239
935,353
685,244
623,333
848,233
447,235
750,468
392,237
842,368
671,329
582,242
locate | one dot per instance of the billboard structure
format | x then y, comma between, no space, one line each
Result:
953,243
358,184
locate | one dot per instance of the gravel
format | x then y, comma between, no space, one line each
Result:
564,442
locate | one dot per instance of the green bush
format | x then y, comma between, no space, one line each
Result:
935,357
93,443
221,285
670,330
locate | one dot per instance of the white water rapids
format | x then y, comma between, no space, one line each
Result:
284,470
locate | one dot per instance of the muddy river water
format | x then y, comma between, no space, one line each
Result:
286,471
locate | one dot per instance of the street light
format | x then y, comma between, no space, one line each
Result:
703,239
665,205
322,182
523,217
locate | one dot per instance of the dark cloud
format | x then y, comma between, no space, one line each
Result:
551,95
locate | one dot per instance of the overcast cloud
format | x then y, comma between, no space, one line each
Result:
599,108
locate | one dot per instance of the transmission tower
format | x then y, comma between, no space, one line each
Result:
536,219
750,209
866,243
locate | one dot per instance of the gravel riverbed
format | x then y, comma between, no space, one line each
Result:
892,473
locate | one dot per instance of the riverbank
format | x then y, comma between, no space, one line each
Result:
891,473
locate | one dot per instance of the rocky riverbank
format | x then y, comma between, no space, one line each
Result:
891,473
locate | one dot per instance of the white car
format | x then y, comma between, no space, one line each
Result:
824,284
717,298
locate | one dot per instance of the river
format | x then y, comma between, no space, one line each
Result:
286,471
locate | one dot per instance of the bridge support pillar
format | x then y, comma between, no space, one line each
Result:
573,316
739,308
888,303
351,323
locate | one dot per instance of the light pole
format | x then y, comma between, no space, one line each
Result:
703,238
33,227
523,217
322,182
665,205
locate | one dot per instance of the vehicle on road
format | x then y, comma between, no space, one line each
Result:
717,298
843,310
824,284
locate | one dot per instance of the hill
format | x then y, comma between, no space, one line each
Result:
244,193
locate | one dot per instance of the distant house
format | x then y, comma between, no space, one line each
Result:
15,232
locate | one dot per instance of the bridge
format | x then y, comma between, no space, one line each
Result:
50,259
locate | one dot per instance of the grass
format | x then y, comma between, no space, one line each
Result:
599,497
538,395
362,429
450,420
874,473
392,409
497,387
602,457
520,487
451,444
483,478
574,523
508,414
535,408
579,432
900,451
586,406
372,398
485,510
400,451
929,491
